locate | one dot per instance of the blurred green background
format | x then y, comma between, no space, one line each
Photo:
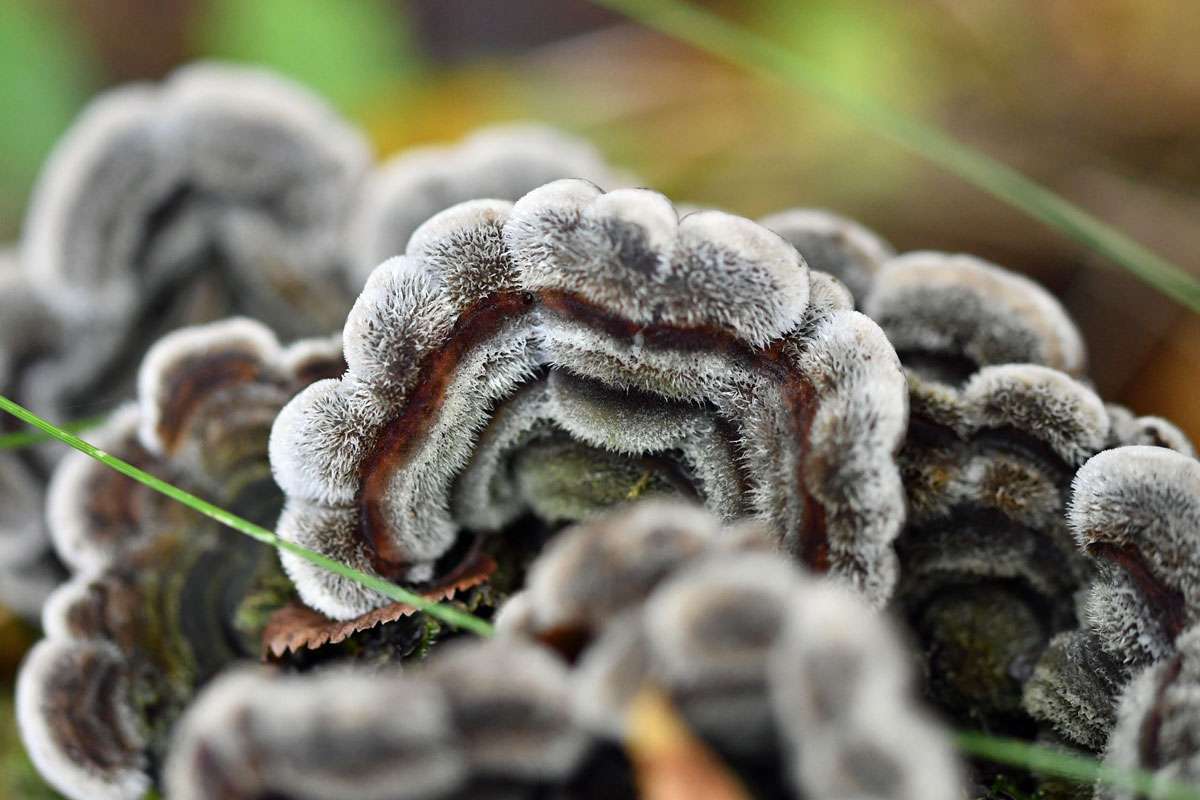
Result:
1099,100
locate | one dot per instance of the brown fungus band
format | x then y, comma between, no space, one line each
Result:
160,596
1135,511
997,428
565,352
503,162
221,191
797,685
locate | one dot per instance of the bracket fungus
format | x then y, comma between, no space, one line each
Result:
28,570
949,315
1135,511
502,162
221,191
478,719
998,426
693,356
156,604
1128,429
834,245
794,682
1158,721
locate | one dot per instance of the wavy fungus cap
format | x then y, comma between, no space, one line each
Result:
597,570
561,353
989,566
1128,429
1137,508
792,681
480,718
948,315
1135,511
153,609
502,162
990,569
833,244
224,187
1158,721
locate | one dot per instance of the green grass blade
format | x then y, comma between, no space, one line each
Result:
11,441
708,32
1048,761
445,613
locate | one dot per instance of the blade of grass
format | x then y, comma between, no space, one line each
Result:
1048,761
445,613
709,32
11,441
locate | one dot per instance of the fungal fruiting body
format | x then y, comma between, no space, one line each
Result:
949,315
834,245
156,602
478,719
28,571
1135,511
998,426
795,683
579,347
502,162
1158,721
221,191
1127,428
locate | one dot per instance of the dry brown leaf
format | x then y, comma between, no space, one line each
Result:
669,762
297,626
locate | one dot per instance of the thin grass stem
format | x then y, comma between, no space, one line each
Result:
445,613
709,32
18,439
1081,769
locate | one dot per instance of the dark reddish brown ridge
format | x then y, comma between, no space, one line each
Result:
1149,744
1167,602
197,378
476,324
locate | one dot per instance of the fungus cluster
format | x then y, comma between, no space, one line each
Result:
998,425
797,683
553,354
222,191
1135,511
794,682
157,600
531,347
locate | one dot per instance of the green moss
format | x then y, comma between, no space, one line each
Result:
270,591
980,644
566,481
429,636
